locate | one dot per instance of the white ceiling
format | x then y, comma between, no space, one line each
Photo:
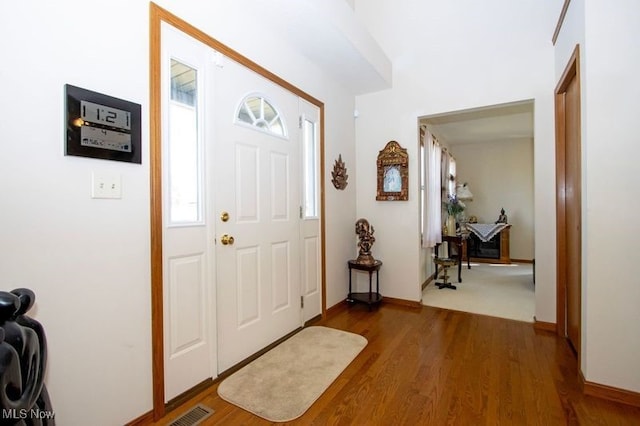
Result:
496,123
329,34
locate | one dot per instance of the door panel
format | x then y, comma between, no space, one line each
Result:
311,282
569,203
186,313
247,188
258,177
310,225
280,205
248,284
281,264
188,348
573,212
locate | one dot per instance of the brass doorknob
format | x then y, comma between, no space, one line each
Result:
224,216
226,239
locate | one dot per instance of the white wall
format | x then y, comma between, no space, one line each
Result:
451,56
610,62
88,260
613,102
500,175
340,215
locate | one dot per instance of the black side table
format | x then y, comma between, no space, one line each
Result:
369,298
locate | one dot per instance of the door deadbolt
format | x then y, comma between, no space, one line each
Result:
224,216
227,239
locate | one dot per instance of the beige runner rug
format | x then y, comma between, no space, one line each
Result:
283,383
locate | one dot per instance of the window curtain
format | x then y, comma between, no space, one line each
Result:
444,174
448,175
451,182
432,201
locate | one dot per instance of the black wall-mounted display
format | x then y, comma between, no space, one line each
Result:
101,126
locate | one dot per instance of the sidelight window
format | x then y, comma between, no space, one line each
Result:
310,148
185,166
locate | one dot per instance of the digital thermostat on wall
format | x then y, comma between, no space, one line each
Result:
101,126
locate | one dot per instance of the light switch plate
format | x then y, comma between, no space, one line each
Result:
106,185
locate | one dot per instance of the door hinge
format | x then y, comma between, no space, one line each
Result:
300,122
302,302
300,213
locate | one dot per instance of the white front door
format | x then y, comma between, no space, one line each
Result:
240,161
257,170
189,347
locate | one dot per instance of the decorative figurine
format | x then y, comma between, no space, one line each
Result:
339,174
365,235
24,399
502,218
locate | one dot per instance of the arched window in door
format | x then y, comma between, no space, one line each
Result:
255,110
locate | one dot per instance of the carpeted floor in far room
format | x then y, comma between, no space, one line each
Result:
504,291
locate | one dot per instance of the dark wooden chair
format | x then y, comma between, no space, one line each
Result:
455,247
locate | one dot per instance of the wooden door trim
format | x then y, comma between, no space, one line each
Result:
563,14
158,15
572,70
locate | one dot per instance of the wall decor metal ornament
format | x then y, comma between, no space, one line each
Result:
366,240
393,173
339,174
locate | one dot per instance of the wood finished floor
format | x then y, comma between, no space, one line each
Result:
432,366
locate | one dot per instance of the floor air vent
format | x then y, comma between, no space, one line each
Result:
193,416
